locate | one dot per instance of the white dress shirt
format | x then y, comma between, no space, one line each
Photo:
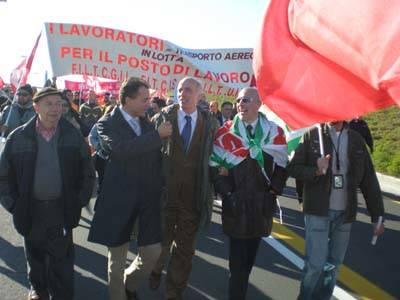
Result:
253,125
182,121
134,122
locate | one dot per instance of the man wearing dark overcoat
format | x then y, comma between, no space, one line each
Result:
131,189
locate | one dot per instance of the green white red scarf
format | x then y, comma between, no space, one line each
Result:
233,143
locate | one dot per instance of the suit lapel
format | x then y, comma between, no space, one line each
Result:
145,125
175,125
122,122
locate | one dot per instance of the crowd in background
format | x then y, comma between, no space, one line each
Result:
84,108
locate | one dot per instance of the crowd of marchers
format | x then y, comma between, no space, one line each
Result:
160,163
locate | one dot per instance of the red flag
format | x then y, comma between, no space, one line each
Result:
100,87
16,74
92,82
369,50
75,85
301,86
19,76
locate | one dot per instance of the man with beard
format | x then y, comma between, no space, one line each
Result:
19,112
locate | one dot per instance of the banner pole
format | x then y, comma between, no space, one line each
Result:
321,141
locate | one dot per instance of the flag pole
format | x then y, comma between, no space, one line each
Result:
80,96
23,79
321,141
3,139
321,144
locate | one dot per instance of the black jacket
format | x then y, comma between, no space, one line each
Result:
247,202
362,128
317,189
17,169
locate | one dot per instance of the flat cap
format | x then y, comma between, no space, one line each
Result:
48,91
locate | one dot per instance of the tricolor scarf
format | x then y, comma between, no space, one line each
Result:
233,144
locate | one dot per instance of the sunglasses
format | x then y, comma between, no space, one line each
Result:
244,100
23,94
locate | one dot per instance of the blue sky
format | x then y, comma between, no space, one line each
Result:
187,23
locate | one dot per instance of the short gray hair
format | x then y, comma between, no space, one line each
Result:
196,82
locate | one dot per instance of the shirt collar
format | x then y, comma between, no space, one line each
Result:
127,116
46,133
333,131
253,124
182,114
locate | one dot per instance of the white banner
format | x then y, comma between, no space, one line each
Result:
116,54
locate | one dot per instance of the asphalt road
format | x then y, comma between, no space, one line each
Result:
370,272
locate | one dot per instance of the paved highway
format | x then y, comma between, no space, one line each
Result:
370,272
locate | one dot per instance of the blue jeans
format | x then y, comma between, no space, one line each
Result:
326,244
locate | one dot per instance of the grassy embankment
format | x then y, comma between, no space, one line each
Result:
385,129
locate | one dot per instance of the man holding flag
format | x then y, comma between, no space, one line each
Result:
330,201
249,159
310,68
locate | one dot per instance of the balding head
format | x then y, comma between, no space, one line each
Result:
189,93
250,92
248,104
194,81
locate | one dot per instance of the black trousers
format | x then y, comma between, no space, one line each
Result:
51,266
49,252
242,255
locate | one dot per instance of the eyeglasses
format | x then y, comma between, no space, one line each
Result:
244,100
23,94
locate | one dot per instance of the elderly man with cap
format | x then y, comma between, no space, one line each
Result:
46,177
19,112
